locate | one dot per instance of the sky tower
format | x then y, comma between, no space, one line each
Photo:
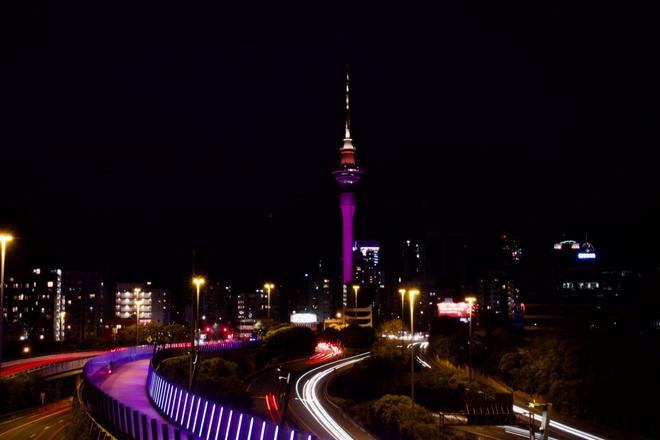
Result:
348,174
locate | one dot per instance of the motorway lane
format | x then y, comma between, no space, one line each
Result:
19,365
311,409
267,389
558,430
47,423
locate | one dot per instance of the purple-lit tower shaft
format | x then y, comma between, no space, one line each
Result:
348,174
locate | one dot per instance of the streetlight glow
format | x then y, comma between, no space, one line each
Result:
198,282
268,287
411,297
471,300
403,300
4,239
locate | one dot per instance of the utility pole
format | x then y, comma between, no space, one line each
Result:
286,396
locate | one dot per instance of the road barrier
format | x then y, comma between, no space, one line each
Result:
211,420
110,416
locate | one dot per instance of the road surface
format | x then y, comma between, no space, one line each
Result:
22,365
42,423
127,384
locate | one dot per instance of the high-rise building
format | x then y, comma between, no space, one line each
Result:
154,303
347,175
411,264
83,293
315,294
368,270
33,306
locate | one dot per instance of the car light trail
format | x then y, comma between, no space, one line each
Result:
561,427
309,398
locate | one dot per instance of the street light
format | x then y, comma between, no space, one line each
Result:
470,300
411,297
137,321
403,298
62,314
4,239
198,282
356,287
268,287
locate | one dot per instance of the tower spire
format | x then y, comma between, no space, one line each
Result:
347,110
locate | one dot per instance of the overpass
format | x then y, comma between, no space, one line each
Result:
124,396
51,366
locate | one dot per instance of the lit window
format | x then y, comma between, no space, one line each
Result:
50,284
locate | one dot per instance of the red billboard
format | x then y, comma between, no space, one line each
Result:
455,310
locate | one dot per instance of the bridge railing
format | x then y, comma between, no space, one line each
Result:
117,419
207,419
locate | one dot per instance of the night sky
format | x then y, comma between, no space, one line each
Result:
131,135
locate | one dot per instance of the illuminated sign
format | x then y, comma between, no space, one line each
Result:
456,310
304,318
586,256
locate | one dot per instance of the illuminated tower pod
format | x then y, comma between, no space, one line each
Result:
347,175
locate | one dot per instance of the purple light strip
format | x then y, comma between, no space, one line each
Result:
199,403
178,406
170,388
238,430
292,434
228,424
169,399
173,405
201,427
183,413
263,430
250,430
192,403
159,393
217,429
208,433
277,431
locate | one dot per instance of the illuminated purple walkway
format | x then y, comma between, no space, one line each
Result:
127,384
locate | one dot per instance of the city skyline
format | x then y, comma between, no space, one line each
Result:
158,149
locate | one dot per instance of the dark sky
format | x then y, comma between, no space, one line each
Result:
133,134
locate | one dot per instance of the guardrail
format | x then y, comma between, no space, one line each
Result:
55,367
118,420
206,419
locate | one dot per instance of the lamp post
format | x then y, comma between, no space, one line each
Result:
403,298
137,321
198,282
356,288
411,297
470,300
4,239
268,287
136,295
62,315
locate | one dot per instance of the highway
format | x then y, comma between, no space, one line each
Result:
311,409
559,430
42,423
22,365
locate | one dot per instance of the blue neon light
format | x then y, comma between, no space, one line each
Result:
250,430
228,424
586,256
199,403
183,413
238,430
208,433
201,427
217,430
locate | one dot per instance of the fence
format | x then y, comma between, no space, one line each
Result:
190,411
191,417
118,420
